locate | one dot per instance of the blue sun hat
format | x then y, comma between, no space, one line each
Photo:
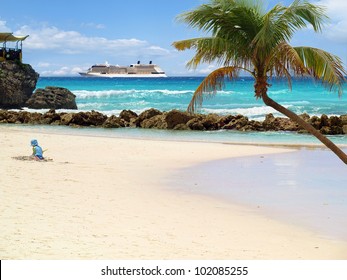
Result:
34,142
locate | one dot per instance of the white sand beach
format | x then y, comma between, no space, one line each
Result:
105,198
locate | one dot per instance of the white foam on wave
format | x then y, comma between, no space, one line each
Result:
280,91
252,112
299,102
84,94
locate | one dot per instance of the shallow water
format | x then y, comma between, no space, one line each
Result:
307,187
220,136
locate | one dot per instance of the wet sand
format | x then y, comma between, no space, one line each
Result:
306,187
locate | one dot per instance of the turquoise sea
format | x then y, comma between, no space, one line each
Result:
111,96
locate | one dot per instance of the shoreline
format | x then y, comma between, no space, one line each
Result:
151,135
108,198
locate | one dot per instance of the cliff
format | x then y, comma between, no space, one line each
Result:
17,83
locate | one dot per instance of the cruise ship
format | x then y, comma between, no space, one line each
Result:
132,71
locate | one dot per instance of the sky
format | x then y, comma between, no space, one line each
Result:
68,36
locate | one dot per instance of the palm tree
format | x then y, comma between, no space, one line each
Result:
244,37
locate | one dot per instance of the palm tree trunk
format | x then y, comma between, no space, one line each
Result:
294,117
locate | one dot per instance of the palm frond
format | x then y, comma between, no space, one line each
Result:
211,84
301,12
285,61
324,66
234,20
215,49
281,22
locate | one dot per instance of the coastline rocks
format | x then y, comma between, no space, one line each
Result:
52,98
150,113
175,117
84,119
344,123
128,115
175,120
275,124
17,83
113,122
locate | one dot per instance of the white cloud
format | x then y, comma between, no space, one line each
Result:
44,64
155,50
93,25
336,8
52,38
3,26
207,70
62,71
337,28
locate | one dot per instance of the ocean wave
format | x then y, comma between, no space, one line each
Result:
299,102
83,94
251,112
279,91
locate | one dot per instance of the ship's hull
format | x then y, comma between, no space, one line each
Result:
100,75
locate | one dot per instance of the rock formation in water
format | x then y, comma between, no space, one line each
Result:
52,98
176,120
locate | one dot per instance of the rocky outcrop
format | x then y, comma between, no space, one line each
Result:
17,83
175,120
52,98
344,123
175,117
275,124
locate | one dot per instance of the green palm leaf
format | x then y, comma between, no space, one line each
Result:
211,84
323,66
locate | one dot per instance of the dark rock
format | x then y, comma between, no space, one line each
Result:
253,126
127,115
335,121
287,124
224,121
343,119
52,98
92,118
211,122
66,119
17,83
51,117
195,124
147,115
324,120
305,117
175,117
344,129
7,116
181,126
277,124
325,130
113,122
269,122
237,122
157,121
315,122
24,117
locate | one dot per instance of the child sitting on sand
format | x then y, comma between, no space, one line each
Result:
37,150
